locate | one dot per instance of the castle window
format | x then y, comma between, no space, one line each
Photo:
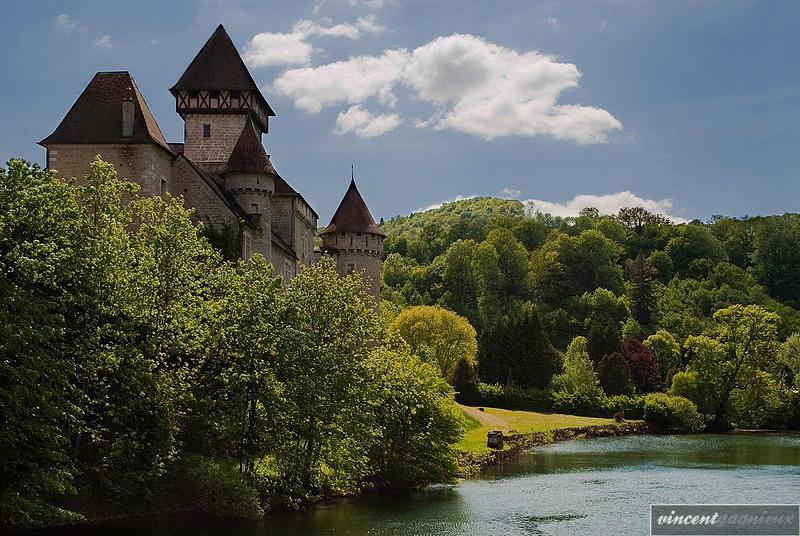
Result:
206,131
163,186
253,208
351,268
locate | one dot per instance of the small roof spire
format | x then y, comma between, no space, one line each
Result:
249,155
353,216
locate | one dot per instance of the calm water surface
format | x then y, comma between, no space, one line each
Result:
599,486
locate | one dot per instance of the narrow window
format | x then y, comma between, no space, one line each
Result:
253,208
206,131
163,186
351,268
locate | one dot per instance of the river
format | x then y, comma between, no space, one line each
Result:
597,486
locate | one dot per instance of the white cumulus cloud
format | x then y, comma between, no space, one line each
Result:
474,86
353,81
292,48
606,204
362,123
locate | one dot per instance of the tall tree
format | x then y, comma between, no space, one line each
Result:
437,336
641,276
517,348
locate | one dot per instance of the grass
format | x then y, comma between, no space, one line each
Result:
479,423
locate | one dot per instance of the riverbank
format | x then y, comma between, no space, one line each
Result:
523,430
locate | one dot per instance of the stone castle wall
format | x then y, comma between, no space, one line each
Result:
145,164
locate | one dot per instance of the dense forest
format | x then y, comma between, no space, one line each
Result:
589,314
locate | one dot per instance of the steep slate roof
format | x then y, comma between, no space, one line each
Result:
353,215
219,66
248,155
96,117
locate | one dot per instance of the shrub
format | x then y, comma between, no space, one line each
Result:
465,383
498,396
615,375
578,376
579,404
632,407
217,487
665,412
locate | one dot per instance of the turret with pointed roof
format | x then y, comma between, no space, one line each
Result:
355,240
217,80
250,178
353,216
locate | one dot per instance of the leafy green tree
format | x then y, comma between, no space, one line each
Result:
41,260
512,262
465,383
416,423
517,348
789,353
693,243
579,376
589,261
764,399
604,313
662,264
615,375
437,336
331,324
459,282
666,350
641,297
777,257
745,343
236,385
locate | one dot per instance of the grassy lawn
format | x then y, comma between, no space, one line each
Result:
482,422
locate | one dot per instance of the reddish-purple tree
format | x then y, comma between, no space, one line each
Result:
643,365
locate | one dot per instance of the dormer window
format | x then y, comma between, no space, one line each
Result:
206,131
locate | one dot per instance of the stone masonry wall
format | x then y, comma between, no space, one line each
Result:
145,164
225,131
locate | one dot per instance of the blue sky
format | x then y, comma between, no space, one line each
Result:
690,108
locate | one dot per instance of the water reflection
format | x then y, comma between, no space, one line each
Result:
600,486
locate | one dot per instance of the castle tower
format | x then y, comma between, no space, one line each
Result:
355,240
250,180
111,118
215,96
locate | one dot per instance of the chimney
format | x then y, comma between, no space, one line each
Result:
127,118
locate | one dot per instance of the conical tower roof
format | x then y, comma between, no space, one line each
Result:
353,216
96,117
249,156
218,66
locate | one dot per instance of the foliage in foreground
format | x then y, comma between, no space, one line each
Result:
133,352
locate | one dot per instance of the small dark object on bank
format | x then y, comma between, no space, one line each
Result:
481,409
495,439
619,416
